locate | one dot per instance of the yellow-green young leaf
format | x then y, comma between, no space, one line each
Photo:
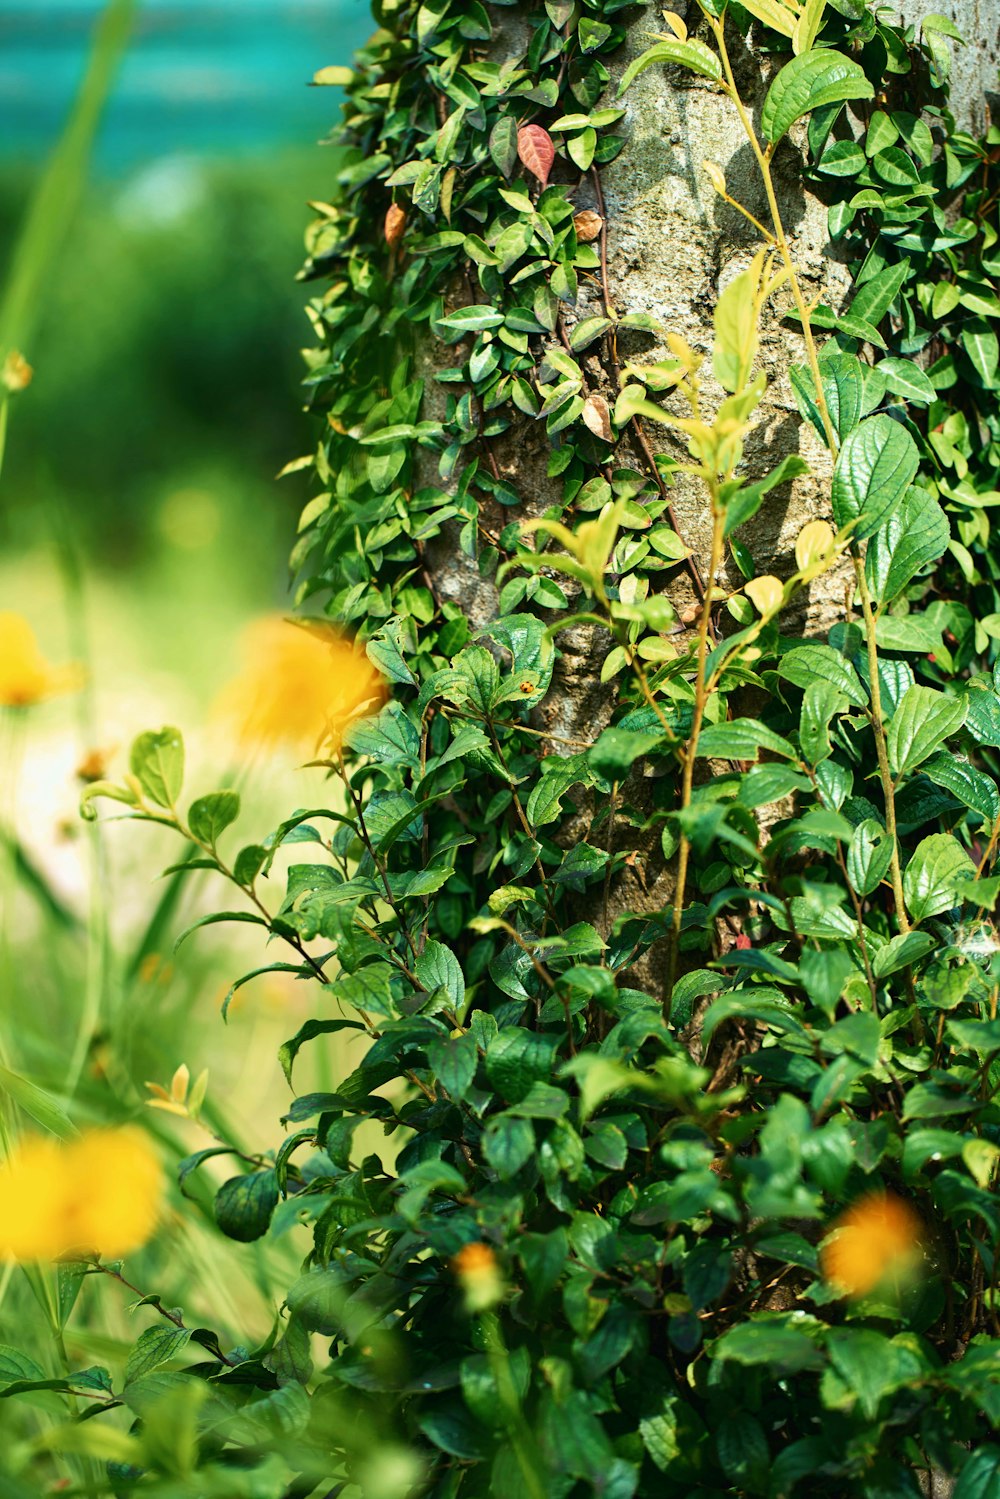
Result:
633,401
774,13
157,762
693,55
981,1156
736,339
806,83
337,76
807,26
765,593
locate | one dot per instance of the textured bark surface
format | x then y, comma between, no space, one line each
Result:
673,246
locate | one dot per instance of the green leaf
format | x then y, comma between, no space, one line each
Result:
868,856
157,761
915,534
907,380
290,1049
391,737
693,55
820,702
980,1475
875,298
452,1060
742,739
875,468
973,788
503,144
438,968
821,664
154,1347
771,1339
37,1103
806,83
937,867
508,1144
466,320
901,952
980,343
843,390
616,751
558,775
244,1205
922,722
870,1366
211,815
586,332
214,918
385,655
769,1007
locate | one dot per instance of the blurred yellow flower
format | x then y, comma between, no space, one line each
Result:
478,1273
301,686
99,1194
877,1238
25,675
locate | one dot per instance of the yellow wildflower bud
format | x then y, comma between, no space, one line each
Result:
479,1275
25,675
875,1241
98,1194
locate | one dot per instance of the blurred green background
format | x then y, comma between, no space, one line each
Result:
141,526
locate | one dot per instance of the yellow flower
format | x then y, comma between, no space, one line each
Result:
301,686
98,1194
478,1273
25,675
877,1238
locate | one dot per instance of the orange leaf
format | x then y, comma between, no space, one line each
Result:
395,223
536,150
587,224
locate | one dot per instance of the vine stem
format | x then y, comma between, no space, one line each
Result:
764,156
701,695
881,750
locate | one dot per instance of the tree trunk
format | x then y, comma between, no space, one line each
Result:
672,247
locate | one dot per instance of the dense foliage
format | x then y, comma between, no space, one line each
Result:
591,1256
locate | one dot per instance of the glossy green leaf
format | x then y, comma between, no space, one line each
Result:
915,534
937,866
875,468
210,815
868,856
821,664
244,1205
806,83
923,721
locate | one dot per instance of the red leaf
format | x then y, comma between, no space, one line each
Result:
536,150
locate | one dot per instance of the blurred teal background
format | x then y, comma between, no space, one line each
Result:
166,358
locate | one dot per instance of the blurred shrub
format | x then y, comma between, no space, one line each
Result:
164,356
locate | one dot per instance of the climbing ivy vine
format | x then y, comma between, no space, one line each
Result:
733,1232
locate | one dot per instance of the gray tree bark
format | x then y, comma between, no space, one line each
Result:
673,246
